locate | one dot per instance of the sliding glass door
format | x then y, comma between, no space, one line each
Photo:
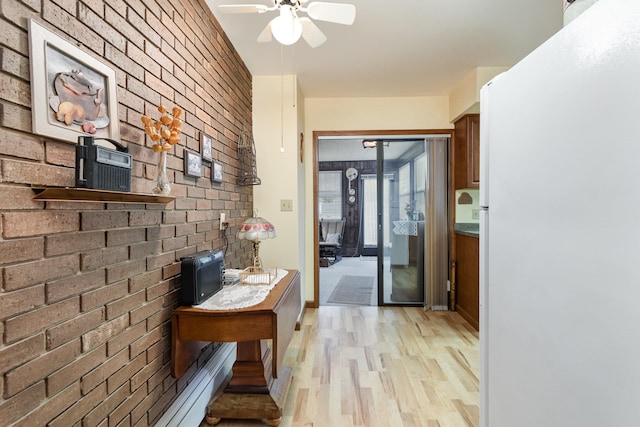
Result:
389,198
401,221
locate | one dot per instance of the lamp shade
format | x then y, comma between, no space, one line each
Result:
286,28
256,228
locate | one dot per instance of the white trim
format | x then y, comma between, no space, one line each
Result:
190,408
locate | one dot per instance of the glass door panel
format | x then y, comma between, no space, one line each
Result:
401,222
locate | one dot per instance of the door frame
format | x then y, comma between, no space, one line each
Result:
377,134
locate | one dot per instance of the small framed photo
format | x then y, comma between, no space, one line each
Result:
206,146
192,164
216,172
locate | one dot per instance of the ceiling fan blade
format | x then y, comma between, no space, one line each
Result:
266,36
332,12
312,34
243,8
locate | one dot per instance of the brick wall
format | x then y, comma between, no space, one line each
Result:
87,289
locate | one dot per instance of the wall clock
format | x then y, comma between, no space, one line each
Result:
351,174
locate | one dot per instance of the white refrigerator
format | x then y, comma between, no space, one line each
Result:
560,229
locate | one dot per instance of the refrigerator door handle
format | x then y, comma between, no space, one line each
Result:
485,130
484,145
484,317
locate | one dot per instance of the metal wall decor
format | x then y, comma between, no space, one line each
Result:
247,173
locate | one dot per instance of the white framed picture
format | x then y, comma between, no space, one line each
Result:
72,93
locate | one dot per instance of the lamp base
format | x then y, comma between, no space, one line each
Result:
257,262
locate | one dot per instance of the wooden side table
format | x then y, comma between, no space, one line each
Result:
258,384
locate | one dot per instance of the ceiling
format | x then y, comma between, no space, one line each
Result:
397,48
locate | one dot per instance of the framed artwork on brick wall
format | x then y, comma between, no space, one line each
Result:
216,172
192,164
72,93
206,146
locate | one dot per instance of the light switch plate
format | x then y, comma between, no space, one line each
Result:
286,205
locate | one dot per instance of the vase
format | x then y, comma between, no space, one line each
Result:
163,185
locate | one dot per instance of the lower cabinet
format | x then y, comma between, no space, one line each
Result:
468,278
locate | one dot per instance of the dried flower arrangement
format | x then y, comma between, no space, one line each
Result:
165,131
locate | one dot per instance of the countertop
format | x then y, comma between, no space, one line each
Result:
467,229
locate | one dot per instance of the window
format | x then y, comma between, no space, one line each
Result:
420,177
330,194
412,195
370,210
404,189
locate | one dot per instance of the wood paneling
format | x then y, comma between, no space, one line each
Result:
351,242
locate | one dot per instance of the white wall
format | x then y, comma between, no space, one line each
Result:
464,212
376,113
302,199
465,99
275,118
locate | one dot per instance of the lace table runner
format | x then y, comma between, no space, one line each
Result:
240,295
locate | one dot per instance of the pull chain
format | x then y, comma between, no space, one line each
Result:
281,99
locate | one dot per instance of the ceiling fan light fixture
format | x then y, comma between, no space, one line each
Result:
373,143
286,28
369,143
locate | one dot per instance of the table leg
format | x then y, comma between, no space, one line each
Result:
230,402
252,368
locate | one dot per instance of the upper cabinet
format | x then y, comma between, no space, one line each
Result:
467,134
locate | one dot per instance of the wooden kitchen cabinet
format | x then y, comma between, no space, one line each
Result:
468,278
467,134
464,250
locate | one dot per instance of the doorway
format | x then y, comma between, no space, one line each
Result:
379,190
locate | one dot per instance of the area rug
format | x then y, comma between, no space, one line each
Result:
355,290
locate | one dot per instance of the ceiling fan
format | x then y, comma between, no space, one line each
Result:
288,27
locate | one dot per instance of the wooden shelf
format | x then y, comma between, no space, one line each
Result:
66,194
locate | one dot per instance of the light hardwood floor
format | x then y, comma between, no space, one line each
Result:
381,367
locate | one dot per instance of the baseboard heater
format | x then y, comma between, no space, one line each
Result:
190,408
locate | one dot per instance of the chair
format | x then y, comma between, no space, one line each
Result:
330,234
